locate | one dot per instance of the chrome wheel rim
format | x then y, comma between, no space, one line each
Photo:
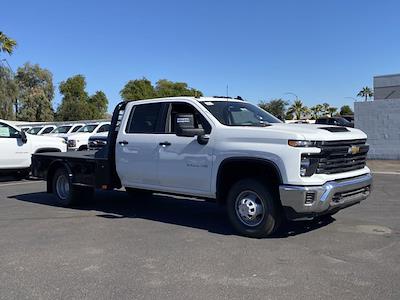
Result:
249,208
62,186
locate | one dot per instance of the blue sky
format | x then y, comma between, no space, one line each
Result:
323,51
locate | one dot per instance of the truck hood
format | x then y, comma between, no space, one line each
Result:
318,132
47,141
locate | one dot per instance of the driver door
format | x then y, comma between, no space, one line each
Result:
14,154
184,165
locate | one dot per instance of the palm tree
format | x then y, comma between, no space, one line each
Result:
332,110
325,108
6,44
297,109
316,111
366,92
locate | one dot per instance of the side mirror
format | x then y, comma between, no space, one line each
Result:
23,137
184,126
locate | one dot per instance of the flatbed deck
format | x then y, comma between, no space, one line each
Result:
87,155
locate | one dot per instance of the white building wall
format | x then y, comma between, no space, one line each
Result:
380,120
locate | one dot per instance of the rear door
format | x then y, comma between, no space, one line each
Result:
14,154
184,164
137,146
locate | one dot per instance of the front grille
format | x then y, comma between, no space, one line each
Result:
340,156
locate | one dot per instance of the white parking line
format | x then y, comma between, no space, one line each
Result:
19,183
387,173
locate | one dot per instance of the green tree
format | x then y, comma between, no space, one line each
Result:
332,111
166,88
74,104
366,93
7,44
36,93
346,110
325,108
316,111
138,89
298,109
98,104
8,92
277,107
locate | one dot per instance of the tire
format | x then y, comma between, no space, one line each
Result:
138,194
66,194
252,209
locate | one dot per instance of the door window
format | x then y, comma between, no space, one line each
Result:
48,130
144,118
7,131
104,128
76,128
182,108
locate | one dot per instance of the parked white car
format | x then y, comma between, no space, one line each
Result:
65,130
79,140
41,130
17,147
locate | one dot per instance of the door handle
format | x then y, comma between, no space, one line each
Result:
164,144
123,143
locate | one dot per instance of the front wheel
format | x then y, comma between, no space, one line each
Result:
252,209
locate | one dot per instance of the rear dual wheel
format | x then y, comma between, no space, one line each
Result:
66,193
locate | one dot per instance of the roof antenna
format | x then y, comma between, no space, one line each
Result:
227,91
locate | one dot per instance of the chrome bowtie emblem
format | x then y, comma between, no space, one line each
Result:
353,150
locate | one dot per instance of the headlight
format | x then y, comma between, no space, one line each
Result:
295,143
308,166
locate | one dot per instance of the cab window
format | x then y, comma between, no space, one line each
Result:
176,108
144,118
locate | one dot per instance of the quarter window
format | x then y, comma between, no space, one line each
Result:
144,118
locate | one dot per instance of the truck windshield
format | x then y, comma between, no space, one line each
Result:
239,113
61,129
88,128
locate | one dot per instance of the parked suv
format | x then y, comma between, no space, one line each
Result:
79,140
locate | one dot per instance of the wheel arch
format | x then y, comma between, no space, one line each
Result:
233,169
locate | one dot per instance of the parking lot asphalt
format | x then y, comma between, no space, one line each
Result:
168,248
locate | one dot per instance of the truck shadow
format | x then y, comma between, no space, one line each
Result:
168,209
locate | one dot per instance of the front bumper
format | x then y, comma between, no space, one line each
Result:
307,202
